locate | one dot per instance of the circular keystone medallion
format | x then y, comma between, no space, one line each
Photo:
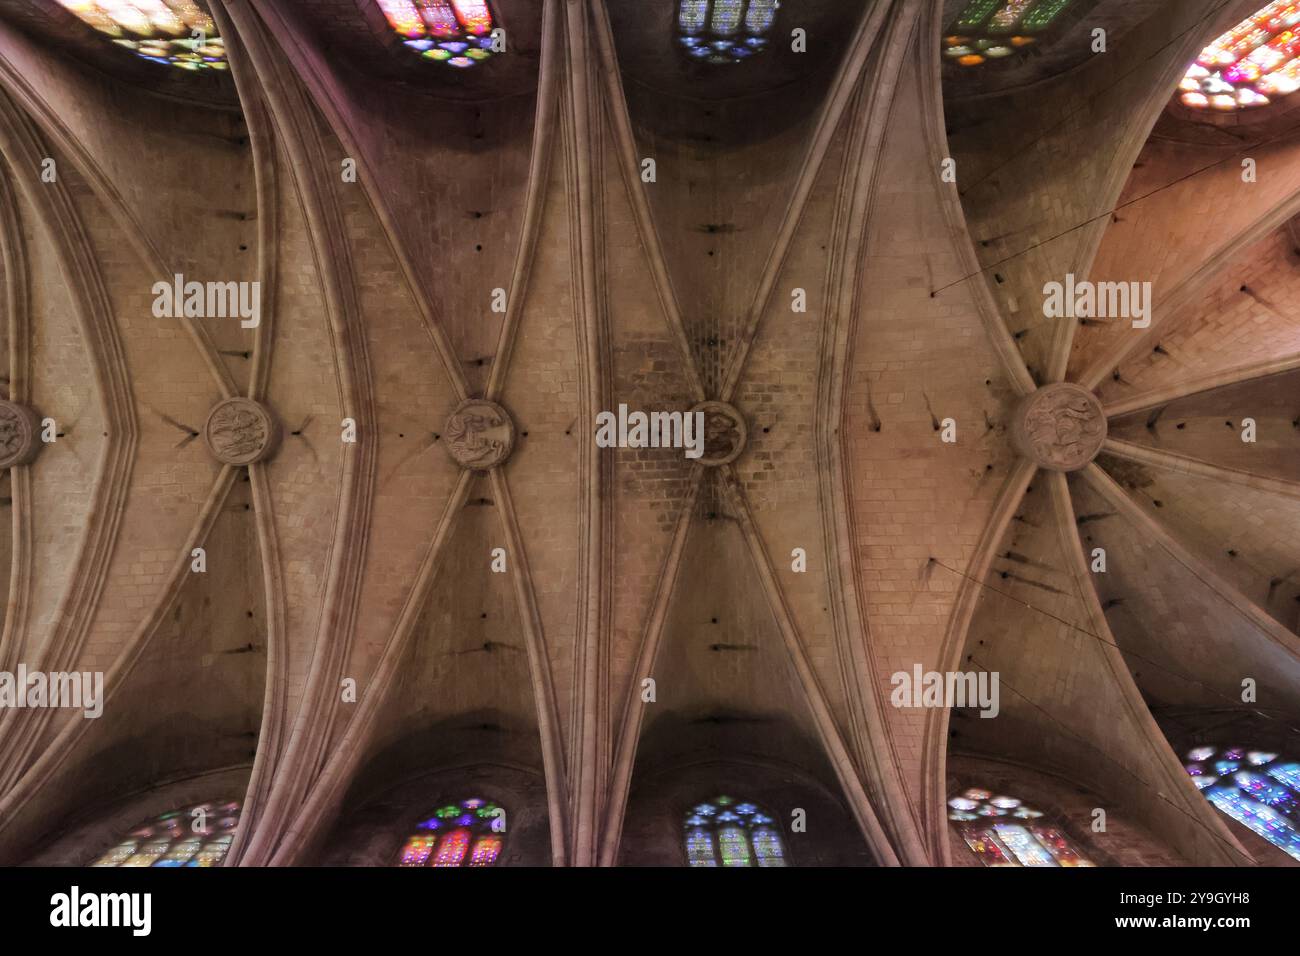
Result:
239,431
724,433
480,434
19,441
1060,427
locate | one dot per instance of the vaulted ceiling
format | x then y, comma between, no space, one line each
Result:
520,183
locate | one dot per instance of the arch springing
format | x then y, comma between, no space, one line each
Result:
737,833
1004,831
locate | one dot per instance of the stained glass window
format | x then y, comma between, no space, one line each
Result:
191,836
176,32
1255,61
724,31
1254,787
994,29
455,32
737,833
1003,831
468,833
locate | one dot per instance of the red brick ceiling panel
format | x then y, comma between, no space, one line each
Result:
723,669
1251,537
1186,645
1247,317
450,175
463,690
1176,184
173,475
415,475
159,728
64,475
649,485
779,392
718,204
207,224
1209,426
914,361
543,393
1063,702
1038,166
305,474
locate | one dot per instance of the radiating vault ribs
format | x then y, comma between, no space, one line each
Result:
19,438
724,432
239,431
1060,427
480,434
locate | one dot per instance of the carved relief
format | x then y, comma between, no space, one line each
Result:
19,440
239,431
480,434
1060,427
724,433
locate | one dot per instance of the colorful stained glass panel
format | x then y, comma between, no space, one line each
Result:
417,850
991,825
452,848
1026,849
724,31
486,851
985,844
699,848
993,29
733,846
1007,18
178,33
767,847
455,32
177,838
1058,846
736,833
1264,797
1247,66
467,833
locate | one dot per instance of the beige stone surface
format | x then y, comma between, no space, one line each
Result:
607,635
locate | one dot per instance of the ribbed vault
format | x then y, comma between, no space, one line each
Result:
376,621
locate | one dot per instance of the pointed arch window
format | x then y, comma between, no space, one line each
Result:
179,33
727,832
724,31
455,32
200,835
994,29
1251,65
468,833
1255,788
1003,831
